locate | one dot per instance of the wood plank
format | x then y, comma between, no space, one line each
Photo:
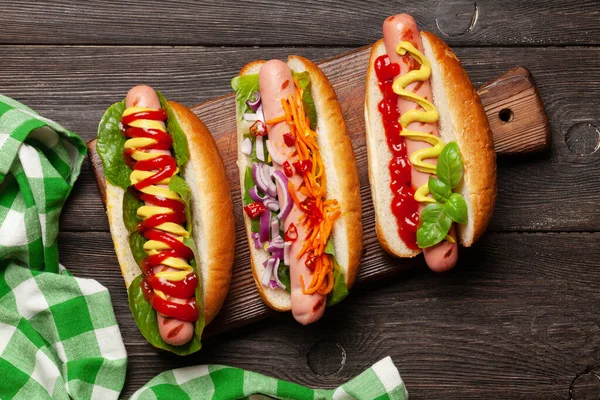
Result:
347,75
75,85
304,23
533,330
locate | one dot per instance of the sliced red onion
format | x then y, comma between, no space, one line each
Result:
286,202
275,269
286,253
271,188
247,146
261,115
275,155
259,178
278,253
265,219
268,271
271,204
275,227
254,104
260,148
251,117
253,192
255,237
276,244
273,284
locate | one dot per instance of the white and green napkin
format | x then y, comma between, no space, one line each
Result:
59,338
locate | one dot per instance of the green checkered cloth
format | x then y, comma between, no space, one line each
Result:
39,163
380,382
59,337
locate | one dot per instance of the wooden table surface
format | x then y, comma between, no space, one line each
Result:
517,318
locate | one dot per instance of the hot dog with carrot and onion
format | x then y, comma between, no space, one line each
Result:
432,164
300,186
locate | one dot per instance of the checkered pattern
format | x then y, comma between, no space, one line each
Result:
58,337
380,382
58,334
39,163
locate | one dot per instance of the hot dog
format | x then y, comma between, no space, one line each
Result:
170,216
301,191
416,93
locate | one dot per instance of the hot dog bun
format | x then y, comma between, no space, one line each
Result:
462,119
212,214
341,177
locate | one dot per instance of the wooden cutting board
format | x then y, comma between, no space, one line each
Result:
515,112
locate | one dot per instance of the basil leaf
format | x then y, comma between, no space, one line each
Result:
450,166
433,226
245,86
136,243
181,151
340,290
178,185
439,190
283,273
146,320
456,209
110,146
130,207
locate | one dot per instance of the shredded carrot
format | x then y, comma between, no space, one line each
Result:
276,120
313,186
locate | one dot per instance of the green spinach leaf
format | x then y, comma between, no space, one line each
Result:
130,207
181,151
180,186
136,243
450,165
439,190
146,320
456,209
433,226
110,146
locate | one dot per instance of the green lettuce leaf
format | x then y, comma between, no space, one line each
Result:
283,273
340,290
180,144
249,184
146,320
245,86
110,146
303,79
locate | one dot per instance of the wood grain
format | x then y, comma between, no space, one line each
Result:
347,74
516,113
516,320
302,23
75,85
